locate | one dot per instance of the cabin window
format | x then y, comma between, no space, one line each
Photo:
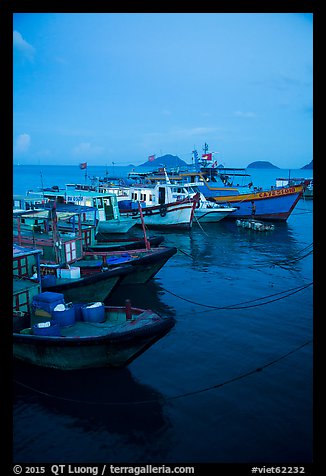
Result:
87,237
134,195
143,197
161,195
20,267
21,300
150,197
70,251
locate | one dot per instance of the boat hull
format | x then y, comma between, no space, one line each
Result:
149,265
145,263
203,215
272,205
122,245
106,346
122,225
96,286
171,215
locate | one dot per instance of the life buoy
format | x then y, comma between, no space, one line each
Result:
163,210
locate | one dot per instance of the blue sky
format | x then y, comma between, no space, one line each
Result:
110,87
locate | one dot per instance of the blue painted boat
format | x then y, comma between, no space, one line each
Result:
234,187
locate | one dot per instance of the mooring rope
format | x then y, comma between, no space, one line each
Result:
163,399
289,292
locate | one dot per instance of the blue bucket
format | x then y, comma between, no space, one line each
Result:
93,314
64,318
52,330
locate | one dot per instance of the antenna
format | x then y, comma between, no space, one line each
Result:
42,185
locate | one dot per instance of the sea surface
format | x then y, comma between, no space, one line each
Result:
232,382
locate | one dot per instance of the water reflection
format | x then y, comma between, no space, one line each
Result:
224,244
96,400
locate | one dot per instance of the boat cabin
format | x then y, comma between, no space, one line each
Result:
26,284
44,229
105,203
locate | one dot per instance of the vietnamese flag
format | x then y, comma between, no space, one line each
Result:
151,158
83,165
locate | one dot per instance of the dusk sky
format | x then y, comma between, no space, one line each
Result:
119,87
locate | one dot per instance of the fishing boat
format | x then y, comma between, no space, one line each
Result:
59,235
104,336
107,243
146,262
72,219
308,184
234,186
205,210
58,269
158,209
50,332
25,284
223,184
109,218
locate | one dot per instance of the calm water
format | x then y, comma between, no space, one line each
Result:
230,383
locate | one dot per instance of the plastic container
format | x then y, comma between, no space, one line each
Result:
93,314
71,273
47,301
64,318
49,328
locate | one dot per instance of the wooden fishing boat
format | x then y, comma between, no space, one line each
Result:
109,218
146,262
60,253
122,334
308,184
108,243
234,186
205,211
25,261
78,284
156,207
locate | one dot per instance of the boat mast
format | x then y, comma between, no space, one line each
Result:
147,243
205,148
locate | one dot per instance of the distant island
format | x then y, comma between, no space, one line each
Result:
308,166
171,161
168,160
261,164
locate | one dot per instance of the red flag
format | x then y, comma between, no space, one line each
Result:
207,156
151,158
83,165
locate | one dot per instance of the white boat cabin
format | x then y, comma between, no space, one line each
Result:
105,203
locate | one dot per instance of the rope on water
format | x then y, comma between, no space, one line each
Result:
238,306
175,397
